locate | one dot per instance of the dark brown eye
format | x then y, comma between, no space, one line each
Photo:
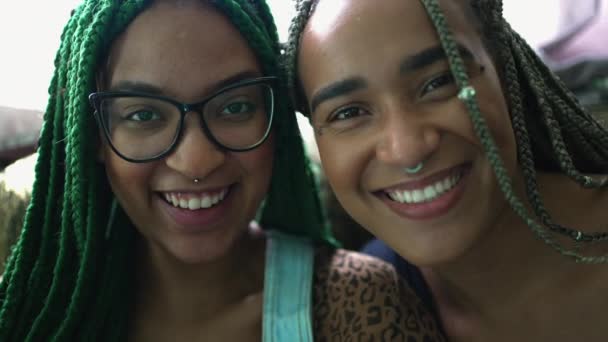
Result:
437,82
346,113
144,115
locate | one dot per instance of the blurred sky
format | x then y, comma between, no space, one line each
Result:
30,30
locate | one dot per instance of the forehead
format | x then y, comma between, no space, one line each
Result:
185,40
362,31
335,14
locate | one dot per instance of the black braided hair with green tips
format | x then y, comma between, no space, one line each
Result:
553,131
66,280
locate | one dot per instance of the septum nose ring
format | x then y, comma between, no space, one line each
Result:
196,180
415,169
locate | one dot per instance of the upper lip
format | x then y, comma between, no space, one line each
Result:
197,191
426,181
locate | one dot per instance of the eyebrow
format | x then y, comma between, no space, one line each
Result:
138,86
411,63
431,56
337,89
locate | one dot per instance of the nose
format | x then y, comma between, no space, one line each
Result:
195,156
406,139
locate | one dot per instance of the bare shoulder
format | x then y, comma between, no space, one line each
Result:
361,298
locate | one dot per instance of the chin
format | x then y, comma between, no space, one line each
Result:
187,250
194,252
197,257
194,255
432,245
437,256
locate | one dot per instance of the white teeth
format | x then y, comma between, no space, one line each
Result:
203,201
194,203
439,187
427,194
446,183
399,197
407,197
206,202
417,196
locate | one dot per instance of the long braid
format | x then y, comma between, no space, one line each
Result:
61,303
115,285
526,155
553,108
263,11
553,132
50,319
53,312
24,256
304,10
578,140
65,280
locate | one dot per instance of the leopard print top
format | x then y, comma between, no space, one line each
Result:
361,298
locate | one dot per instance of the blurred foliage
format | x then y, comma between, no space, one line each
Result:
12,212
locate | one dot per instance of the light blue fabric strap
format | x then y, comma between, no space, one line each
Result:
288,289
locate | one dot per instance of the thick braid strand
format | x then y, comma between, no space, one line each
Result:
551,104
527,162
561,113
24,254
53,312
50,317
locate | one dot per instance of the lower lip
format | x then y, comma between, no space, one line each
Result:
195,221
435,208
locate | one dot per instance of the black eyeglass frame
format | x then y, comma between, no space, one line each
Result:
185,108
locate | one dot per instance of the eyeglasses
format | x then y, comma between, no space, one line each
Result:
142,127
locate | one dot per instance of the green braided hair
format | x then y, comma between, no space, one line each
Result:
66,279
553,131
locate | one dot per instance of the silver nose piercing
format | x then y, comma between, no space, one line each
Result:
415,169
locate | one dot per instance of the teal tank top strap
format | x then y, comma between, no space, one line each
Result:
288,289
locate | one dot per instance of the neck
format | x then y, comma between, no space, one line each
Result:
183,292
508,269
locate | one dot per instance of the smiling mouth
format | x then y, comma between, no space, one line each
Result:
194,201
427,193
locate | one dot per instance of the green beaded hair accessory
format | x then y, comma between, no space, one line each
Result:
554,133
65,279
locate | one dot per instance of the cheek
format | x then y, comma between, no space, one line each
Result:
341,162
258,163
128,180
